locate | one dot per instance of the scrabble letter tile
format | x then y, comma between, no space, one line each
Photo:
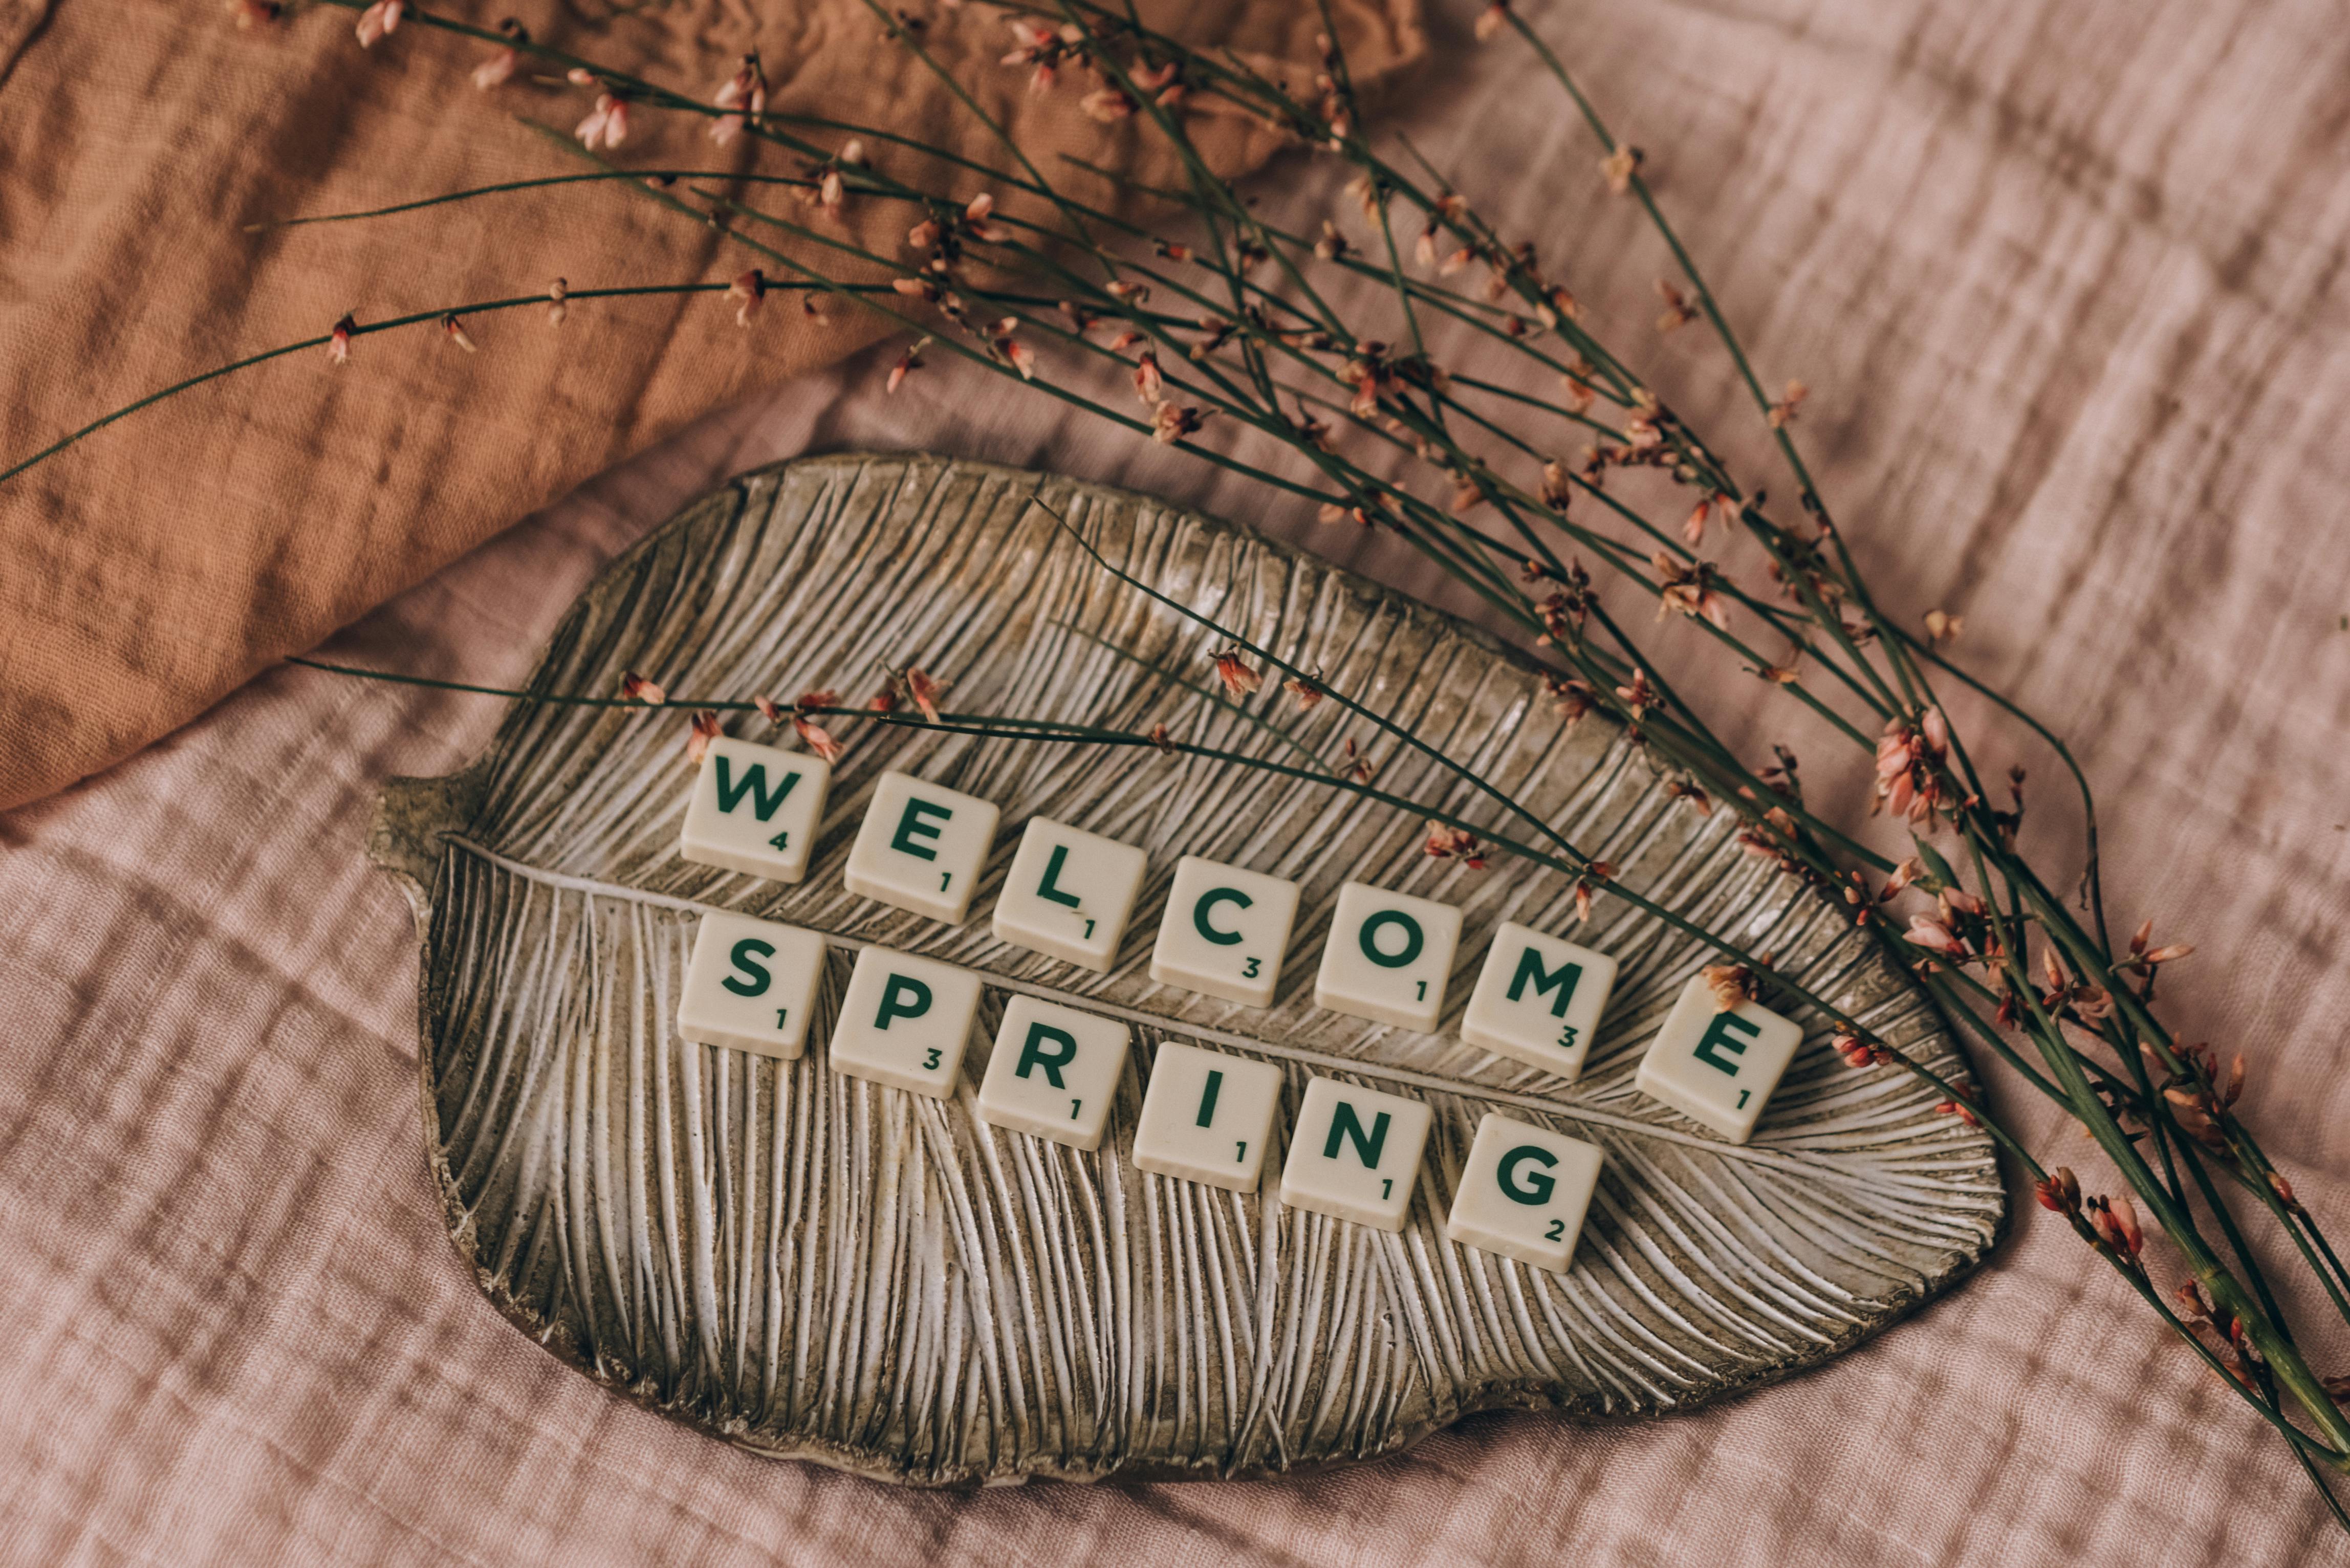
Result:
1388,957
1206,1118
1054,1072
1355,1154
755,809
1523,1192
1538,998
920,847
750,985
905,1021
1068,893
1224,932
1718,1068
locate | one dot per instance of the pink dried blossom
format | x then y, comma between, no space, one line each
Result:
339,341
1240,677
498,69
703,730
751,289
743,95
607,124
816,738
379,20
924,692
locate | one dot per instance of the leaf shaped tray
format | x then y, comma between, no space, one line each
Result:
806,1264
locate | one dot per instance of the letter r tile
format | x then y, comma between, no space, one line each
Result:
1053,1072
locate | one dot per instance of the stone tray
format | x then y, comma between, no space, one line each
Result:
807,1266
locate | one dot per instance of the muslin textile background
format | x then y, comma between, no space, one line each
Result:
2067,281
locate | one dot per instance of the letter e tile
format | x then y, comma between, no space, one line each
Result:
920,847
1715,1067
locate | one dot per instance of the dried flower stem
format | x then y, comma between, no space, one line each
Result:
1869,679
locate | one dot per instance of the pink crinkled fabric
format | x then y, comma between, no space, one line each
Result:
2066,281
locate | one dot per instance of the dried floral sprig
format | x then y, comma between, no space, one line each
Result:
1226,342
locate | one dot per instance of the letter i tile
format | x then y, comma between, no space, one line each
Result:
920,847
750,985
1207,1116
1054,1072
905,1021
1355,1154
1717,1068
1068,893
755,809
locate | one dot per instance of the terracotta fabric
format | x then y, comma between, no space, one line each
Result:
2064,278
147,572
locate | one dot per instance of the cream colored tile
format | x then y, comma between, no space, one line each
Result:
1388,957
1715,1067
755,809
921,847
1054,1072
1069,893
905,1021
750,985
1207,1116
1355,1153
1538,998
1523,1192
1224,932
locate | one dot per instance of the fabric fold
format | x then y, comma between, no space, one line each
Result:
152,568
